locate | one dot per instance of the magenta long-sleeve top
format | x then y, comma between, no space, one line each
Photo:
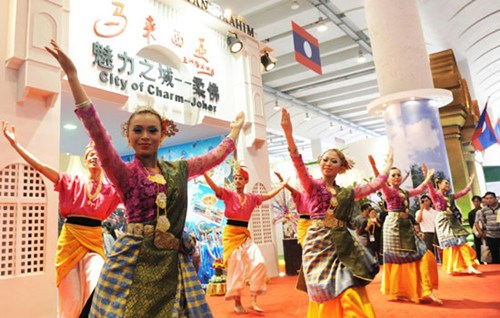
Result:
301,201
394,199
319,196
438,199
237,207
74,201
130,179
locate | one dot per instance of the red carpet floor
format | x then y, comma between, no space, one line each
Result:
464,296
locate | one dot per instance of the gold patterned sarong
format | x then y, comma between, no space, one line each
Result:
232,238
74,242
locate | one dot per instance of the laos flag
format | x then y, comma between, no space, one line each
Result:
484,135
306,49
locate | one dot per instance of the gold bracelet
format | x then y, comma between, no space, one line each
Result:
83,104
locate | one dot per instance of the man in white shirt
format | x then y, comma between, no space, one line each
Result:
425,217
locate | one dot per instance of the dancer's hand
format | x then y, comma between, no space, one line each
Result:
374,165
10,135
280,178
236,125
64,61
286,123
388,162
471,180
79,94
429,175
424,169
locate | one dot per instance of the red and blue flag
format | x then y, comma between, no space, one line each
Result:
484,135
306,48
497,129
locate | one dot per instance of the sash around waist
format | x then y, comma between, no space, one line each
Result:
237,223
79,220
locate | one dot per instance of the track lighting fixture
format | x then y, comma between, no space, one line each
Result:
234,43
276,106
268,63
361,57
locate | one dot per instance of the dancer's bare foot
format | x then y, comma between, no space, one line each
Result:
403,298
238,307
472,270
257,308
436,299
254,304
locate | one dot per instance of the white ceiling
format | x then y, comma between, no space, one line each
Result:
336,101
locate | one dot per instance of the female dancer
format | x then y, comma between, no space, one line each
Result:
458,256
336,266
410,270
149,273
302,206
241,254
80,247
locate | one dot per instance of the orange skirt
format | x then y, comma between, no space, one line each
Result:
414,280
352,303
459,258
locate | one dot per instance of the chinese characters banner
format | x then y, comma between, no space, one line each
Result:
154,55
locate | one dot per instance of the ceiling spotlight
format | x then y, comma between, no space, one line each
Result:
235,44
307,117
276,106
70,126
295,5
321,25
361,57
265,59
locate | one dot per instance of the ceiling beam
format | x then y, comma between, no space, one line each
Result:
339,75
341,91
311,108
329,100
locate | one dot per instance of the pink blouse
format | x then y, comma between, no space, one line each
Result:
138,193
301,202
73,199
439,200
237,207
394,199
319,196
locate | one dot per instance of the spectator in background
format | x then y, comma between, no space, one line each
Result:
359,221
491,226
476,200
109,236
373,228
426,217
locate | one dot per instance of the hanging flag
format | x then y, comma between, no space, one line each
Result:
484,135
497,130
306,49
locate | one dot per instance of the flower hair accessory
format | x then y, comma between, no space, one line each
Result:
169,127
348,162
